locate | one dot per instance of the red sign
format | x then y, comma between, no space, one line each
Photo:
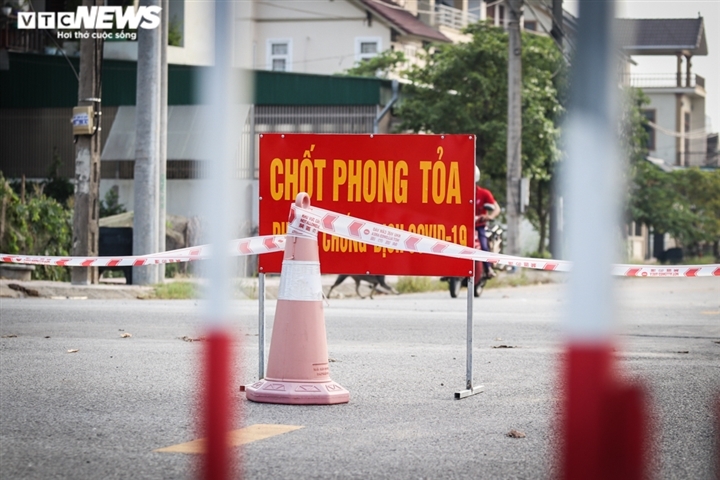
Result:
420,183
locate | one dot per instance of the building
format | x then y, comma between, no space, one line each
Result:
677,133
676,113
36,105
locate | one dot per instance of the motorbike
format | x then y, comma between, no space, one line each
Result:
495,240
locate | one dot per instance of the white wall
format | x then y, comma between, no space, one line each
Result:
181,195
198,37
197,46
697,121
664,106
323,41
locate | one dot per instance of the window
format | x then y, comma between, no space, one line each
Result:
279,54
634,229
490,12
367,47
650,117
531,25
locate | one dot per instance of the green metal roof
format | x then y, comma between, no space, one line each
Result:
47,81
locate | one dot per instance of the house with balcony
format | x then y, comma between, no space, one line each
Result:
678,136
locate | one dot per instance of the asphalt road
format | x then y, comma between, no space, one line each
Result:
100,413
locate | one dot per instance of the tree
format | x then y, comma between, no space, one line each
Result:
462,88
39,225
684,203
111,204
378,66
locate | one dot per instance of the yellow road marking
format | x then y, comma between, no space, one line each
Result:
236,438
711,312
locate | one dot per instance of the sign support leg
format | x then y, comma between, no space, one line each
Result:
261,326
469,389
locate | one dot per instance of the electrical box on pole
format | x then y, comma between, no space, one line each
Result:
86,129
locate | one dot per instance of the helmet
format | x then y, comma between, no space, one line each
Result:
477,174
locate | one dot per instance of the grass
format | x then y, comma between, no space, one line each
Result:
174,291
188,290
518,279
503,280
419,284
706,260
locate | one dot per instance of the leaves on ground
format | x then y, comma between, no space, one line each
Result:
515,434
185,338
505,346
126,335
73,350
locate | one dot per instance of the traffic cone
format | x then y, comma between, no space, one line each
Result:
297,370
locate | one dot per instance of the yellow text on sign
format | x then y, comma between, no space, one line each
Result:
444,184
293,175
382,181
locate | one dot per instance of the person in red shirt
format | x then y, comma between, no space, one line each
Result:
483,216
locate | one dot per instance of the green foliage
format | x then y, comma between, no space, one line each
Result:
175,291
684,203
699,194
522,278
111,205
462,88
172,270
175,35
378,66
56,186
38,226
536,254
632,125
418,284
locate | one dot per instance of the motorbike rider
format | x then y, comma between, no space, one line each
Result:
483,216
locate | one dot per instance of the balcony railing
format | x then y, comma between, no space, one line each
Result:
664,80
13,39
452,17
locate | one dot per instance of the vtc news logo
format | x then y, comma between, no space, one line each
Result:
92,18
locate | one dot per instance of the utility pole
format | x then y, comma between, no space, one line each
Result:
147,150
162,192
87,158
514,127
556,201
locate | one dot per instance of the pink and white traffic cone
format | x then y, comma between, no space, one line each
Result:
298,371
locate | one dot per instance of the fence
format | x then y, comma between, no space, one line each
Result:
664,80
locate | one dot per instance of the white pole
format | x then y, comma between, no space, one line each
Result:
147,150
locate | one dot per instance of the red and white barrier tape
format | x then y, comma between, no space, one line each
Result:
243,246
382,236
309,221
396,239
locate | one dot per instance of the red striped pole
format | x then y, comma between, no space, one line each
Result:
227,102
603,420
217,408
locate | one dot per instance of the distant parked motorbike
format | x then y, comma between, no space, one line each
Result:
495,241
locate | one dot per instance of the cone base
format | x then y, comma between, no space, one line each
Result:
297,393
